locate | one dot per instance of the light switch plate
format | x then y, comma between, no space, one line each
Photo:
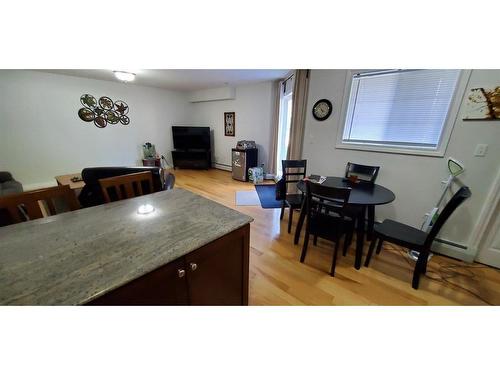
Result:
481,149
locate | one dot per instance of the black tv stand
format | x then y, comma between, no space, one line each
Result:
192,159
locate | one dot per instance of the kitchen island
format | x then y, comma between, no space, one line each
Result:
189,250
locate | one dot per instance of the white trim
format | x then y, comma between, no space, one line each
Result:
485,217
452,251
223,167
445,136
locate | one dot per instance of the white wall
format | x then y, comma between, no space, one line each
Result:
41,135
254,111
414,179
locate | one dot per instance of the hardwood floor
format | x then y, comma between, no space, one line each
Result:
278,278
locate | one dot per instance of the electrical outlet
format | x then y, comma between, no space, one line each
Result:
481,149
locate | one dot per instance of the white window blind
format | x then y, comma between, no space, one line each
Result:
400,108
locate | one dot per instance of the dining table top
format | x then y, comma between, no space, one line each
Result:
362,193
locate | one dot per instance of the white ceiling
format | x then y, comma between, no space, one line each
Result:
182,79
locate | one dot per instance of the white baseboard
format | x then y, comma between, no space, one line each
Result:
452,251
223,167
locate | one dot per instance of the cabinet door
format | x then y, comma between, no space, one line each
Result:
217,273
164,286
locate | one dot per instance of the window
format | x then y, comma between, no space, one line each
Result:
285,121
398,110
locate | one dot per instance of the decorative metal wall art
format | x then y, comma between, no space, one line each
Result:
103,111
229,124
483,104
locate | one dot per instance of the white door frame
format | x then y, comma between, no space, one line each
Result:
485,217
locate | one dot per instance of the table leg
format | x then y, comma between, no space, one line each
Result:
360,236
302,216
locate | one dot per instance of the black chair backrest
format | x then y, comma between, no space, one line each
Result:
458,198
366,173
294,170
331,198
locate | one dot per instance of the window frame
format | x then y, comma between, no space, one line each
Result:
449,123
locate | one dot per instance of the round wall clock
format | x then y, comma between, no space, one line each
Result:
322,109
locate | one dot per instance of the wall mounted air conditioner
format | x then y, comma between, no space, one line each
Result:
209,95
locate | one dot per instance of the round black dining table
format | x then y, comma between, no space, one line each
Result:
363,195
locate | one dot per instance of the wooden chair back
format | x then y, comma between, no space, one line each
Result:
293,172
331,198
325,207
458,198
126,186
36,204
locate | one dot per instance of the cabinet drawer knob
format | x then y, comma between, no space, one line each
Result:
193,266
181,273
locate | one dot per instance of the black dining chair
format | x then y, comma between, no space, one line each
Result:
293,172
366,174
325,217
415,239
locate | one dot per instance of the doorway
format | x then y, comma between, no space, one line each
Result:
285,121
487,234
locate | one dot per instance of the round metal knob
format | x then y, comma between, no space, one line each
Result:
193,266
181,273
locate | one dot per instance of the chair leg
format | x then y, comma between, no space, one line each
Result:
379,246
304,246
334,260
371,221
347,241
282,210
424,266
418,269
370,250
315,240
290,219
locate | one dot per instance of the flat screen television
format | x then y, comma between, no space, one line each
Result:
191,137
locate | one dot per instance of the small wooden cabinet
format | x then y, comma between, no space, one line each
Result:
215,274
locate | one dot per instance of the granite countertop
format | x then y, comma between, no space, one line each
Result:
74,257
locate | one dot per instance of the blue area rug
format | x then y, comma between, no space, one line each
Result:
267,196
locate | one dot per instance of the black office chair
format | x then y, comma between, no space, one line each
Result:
293,172
325,217
366,174
415,239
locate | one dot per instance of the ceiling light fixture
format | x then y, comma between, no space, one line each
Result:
124,76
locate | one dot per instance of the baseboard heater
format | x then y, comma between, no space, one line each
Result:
446,242
223,167
450,243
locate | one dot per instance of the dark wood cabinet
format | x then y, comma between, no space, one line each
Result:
163,286
215,274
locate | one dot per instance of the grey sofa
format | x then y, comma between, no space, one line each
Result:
8,185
